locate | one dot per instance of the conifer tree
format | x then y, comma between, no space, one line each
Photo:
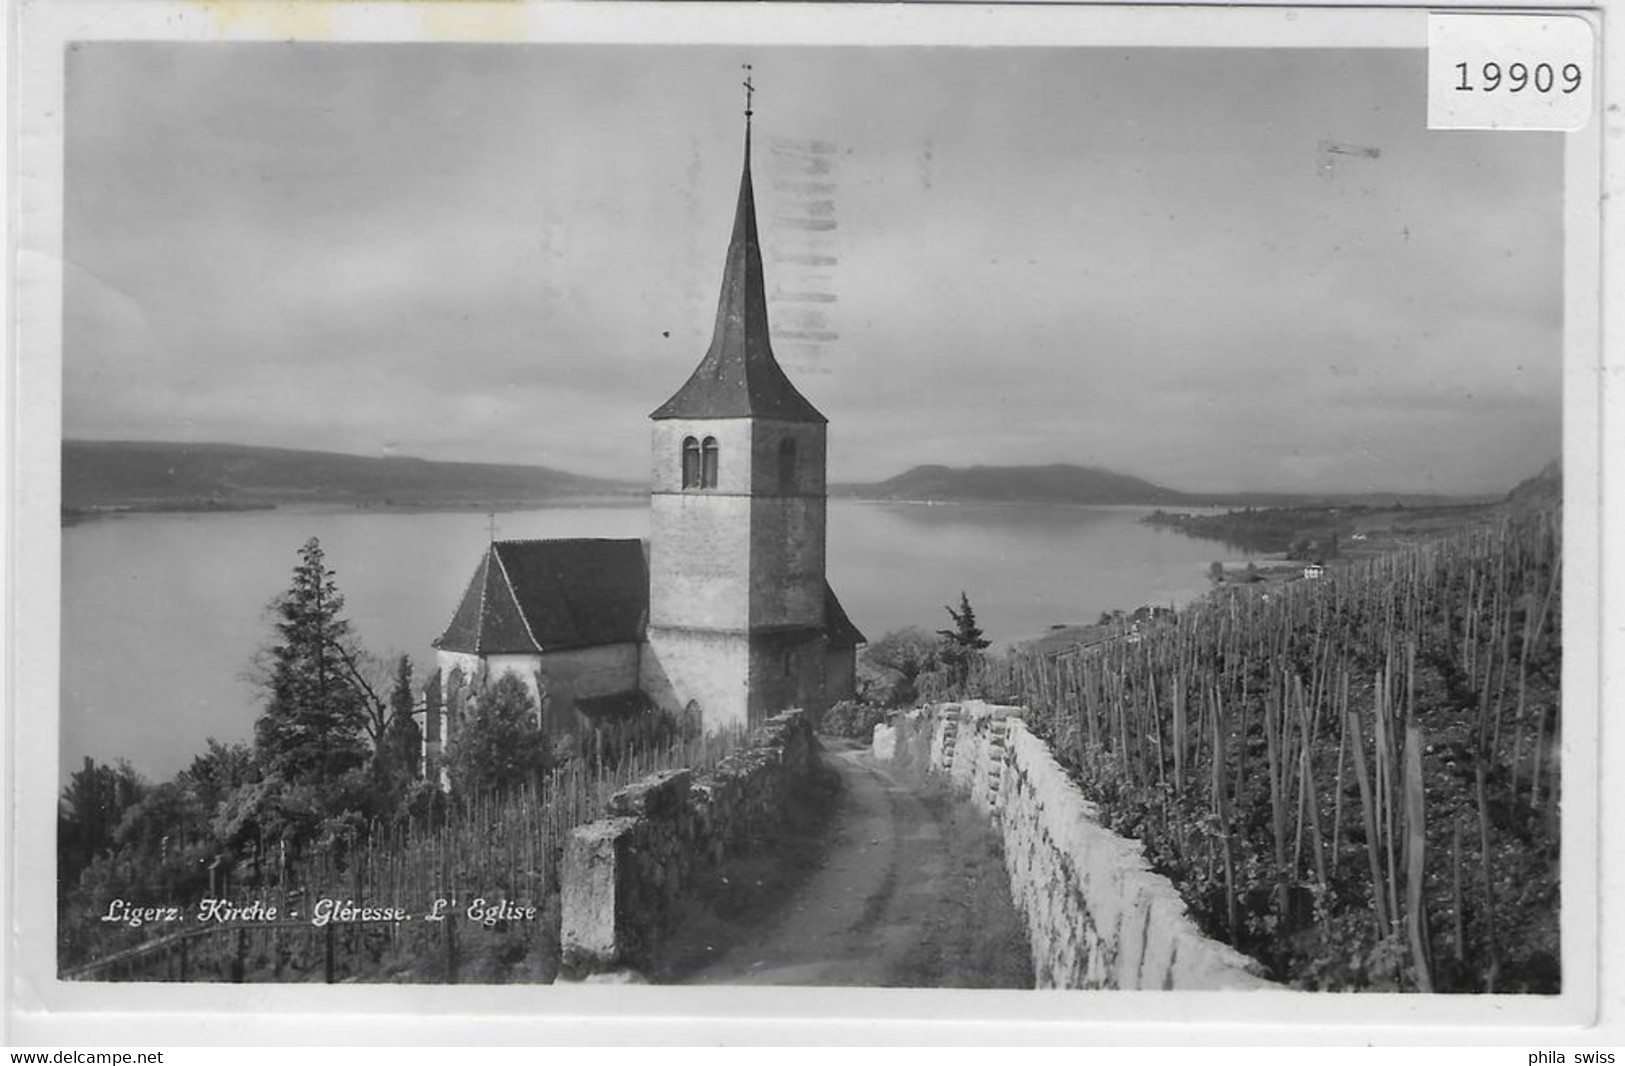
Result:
312,730
961,644
401,748
89,812
397,757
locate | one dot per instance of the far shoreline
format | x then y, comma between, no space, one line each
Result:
78,515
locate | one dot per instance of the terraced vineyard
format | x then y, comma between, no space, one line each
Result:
1356,780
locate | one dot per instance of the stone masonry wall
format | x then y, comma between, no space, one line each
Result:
625,875
1097,916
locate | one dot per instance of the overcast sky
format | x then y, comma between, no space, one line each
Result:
1217,269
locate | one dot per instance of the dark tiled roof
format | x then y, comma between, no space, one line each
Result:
488,619
549,595
529,596
739,377
838,628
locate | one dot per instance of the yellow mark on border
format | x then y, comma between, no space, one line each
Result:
499,21
476,20
276,19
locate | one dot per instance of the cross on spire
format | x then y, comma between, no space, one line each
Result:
491,525
750,91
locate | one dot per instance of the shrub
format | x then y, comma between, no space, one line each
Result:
852,719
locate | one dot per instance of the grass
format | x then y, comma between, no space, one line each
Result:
973,936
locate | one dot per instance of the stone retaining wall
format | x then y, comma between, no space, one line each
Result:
624,876
1097,916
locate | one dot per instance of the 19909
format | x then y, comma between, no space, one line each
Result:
1517,77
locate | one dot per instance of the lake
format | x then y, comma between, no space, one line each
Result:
162,613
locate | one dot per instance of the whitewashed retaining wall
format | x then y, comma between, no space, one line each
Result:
625,876
1097,916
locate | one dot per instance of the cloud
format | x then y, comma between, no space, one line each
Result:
512,254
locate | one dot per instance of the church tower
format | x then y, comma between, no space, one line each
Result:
738,605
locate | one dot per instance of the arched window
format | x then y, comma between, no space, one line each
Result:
708,464
691,463
787,464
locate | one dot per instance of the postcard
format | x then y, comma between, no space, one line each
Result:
780,516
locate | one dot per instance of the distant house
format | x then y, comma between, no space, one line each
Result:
1314,570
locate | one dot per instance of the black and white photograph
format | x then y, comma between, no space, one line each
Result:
1076,512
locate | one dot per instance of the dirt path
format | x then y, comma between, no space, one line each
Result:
909,891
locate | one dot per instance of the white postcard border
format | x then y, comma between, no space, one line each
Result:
41,1008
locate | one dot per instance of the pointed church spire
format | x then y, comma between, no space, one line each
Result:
739,377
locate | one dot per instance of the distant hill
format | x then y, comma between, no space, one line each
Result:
170,476
1068,483
1543,491
1055,483
157,475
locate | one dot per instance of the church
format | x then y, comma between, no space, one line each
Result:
725,610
